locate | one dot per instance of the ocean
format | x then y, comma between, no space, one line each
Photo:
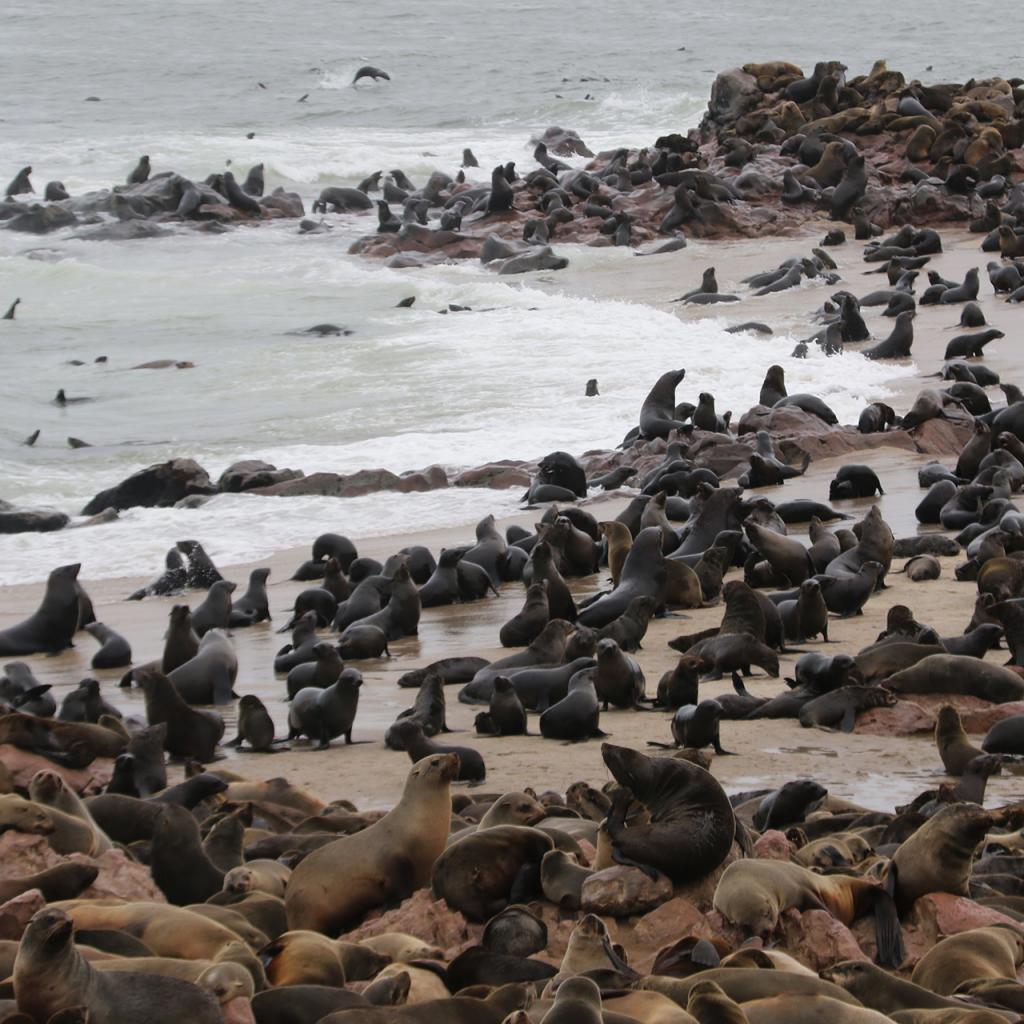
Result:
408,387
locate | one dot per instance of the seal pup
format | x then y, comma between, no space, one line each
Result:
389,860
255,726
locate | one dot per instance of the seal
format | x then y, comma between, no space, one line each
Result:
190,732
362,642
51,976
506,715
577,715
938,856
114,652
178,862
578,1001
753,893
334,886
477,875
255,726
209,677
252,606
691,825
697,725
418,746
839,708
643,575
325,714
320,673
201,573
618,678
955,749
993,952
657,414
51,628
526,625
955,673
854,481
807,616
562,878
215,611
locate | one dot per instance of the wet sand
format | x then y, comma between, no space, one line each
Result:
878,771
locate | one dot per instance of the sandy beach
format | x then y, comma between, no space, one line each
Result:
879,771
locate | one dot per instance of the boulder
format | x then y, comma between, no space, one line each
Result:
817,939
287,203
622,891
976,715
363,481
773,845
421,915
122,231
497,475
30,520
905,719
158,486
21,765
15,914
251,473
38,219
670,921
940,914
733,94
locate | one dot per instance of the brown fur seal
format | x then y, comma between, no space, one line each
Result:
677,795
49,788
49,630
190,732
325,714
938,856
50,975
619,540
335,885
708,1004
61,882
578,1001
754,893
562,878
957,673
795,1009
955,749
524,627
255,726
493,1008
476,875
309,958
993,952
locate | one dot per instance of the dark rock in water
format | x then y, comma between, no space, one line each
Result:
289,204
364,481
156,486
123,231
38,219
30,520
250,473
732,95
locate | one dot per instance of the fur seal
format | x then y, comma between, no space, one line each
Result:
477,874
506,715
325,714
839,708
114,651
255,726
955,673
418,746
320,673
524,627
209,677
955,749
392,858
678,795
643,575
753,894
51,628
577,715
657,414
993,952
190,732
252,606
50,975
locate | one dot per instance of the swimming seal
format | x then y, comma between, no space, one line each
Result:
678,796
51,628
392,858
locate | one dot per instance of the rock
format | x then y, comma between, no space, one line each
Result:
252,473
156,486
495,475
733,94
562,142
119,876
817,939
905,719
977,715
940,914
669,922
287,203
123,231
773,845
942,436
364,481
624,891
15,914
38,219
428,919
22,765
30,520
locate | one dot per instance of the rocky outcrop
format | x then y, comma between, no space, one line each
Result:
156,486
363,481
622,891
30,520
252,473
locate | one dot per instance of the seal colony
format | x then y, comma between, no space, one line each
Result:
639,886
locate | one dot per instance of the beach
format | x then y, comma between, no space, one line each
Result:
878,771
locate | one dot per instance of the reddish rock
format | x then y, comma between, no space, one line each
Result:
817,939
352,485
773,845
940,914
22,765
428,919
15,914
942,437
624,891
905,719
669,922
497,475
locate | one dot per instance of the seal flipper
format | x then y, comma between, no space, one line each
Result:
849,720
621,858
716,745
888,933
